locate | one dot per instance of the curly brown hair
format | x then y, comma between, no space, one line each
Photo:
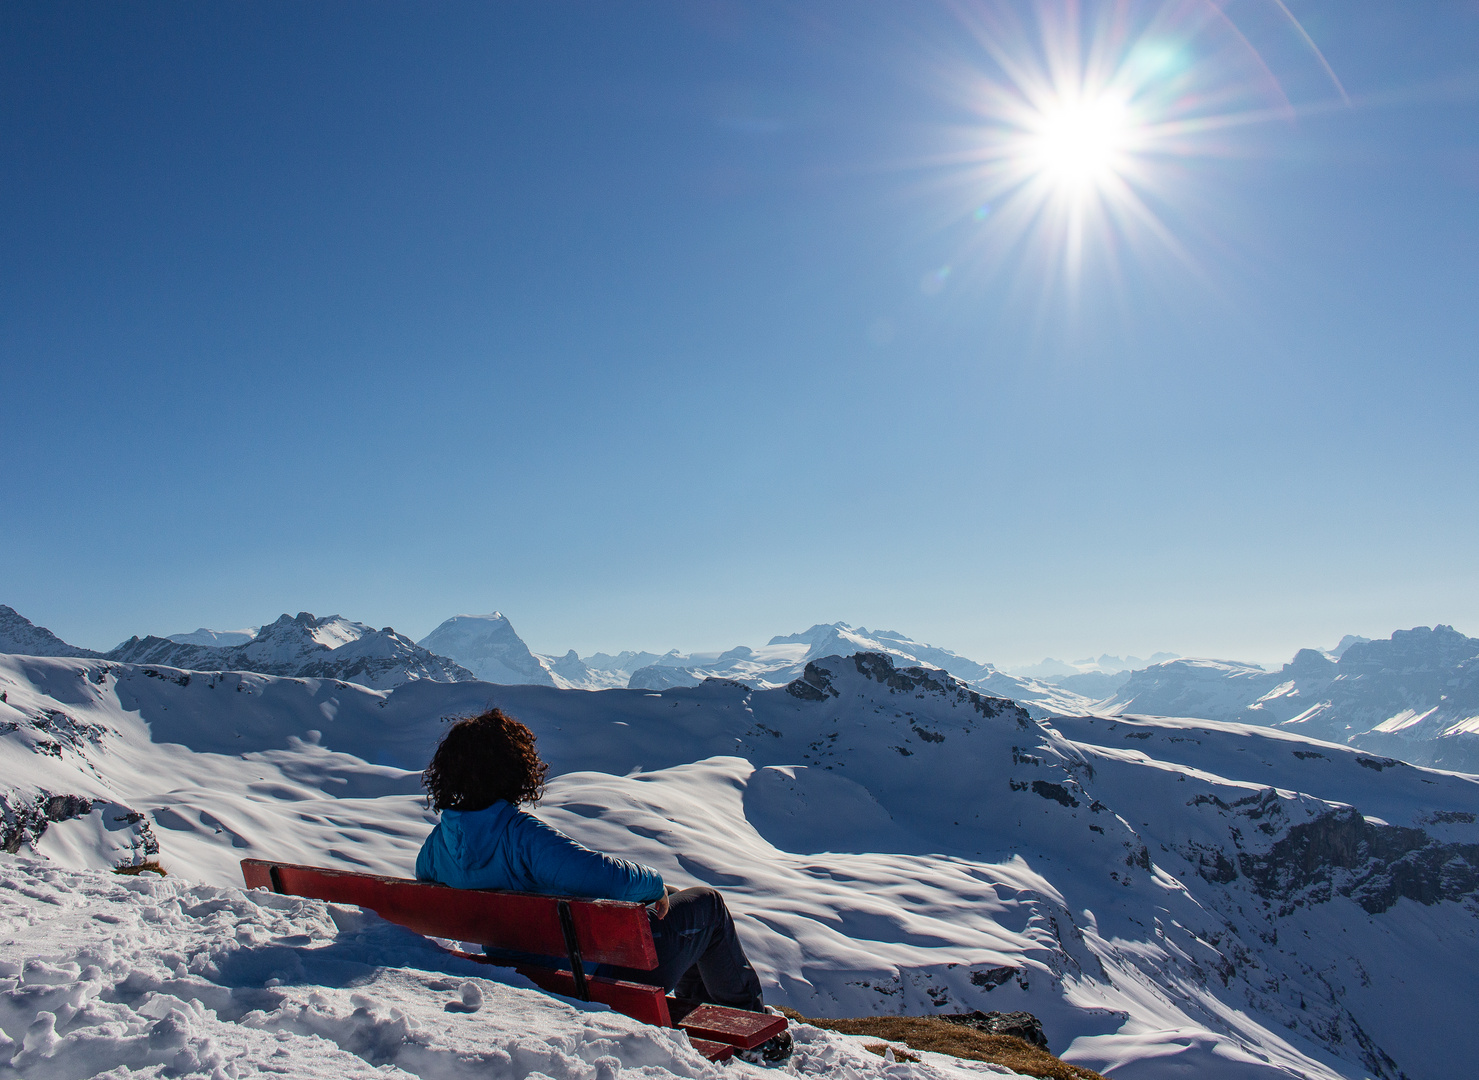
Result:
482,759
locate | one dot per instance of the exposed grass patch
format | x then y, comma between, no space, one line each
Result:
881,1048
134,869
940,1037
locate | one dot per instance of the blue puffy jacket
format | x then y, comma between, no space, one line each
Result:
504,847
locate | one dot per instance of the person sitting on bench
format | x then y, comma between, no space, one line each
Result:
484,769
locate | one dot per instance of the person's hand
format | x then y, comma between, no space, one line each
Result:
659,906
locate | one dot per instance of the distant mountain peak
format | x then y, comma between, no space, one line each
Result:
489,647
20,635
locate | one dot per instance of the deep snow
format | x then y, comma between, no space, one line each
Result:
112,976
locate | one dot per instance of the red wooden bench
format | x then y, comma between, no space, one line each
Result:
601,931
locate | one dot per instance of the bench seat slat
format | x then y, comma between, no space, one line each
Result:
737,1027
714,1051
610,931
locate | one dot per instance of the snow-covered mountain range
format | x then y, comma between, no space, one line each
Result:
1414,695
1171,897
489,646
312,648
305,646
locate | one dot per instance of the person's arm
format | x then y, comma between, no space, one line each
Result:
424,870
562,866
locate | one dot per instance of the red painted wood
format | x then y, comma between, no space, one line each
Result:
610,931
648,1004
737,1027
714,1051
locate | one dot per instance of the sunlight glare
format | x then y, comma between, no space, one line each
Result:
1079,144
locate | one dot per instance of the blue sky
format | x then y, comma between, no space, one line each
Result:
681,325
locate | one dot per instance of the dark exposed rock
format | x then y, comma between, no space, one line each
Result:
1057,792
1375,865
991,978
1216,867
1020,1025
24,823
880,668
815,684
66,807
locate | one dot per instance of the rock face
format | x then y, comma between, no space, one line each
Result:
1342,853
306,647
20,636
489,647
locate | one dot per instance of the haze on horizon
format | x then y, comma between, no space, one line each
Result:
1024,332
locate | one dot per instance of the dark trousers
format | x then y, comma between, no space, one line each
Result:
699,955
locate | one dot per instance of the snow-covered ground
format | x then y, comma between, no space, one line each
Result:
1170,897
113,976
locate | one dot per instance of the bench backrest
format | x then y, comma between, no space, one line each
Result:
609,931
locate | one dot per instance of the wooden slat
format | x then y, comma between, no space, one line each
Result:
610,931
714,1051
738,1027
648,1004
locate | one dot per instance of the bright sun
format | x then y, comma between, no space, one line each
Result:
1078,146
1087,123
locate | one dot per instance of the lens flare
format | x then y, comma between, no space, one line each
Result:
1092,128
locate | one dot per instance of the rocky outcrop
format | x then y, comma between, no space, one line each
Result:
815,684
23,820
1341,853
1019,1025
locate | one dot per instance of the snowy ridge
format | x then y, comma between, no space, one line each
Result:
325,648
1225,899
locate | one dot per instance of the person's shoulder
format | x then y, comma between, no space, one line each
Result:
538,831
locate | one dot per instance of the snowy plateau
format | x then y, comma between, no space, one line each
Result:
1171,897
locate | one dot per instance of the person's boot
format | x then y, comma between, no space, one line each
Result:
772,1051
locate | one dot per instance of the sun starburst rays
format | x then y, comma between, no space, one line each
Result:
1088,129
